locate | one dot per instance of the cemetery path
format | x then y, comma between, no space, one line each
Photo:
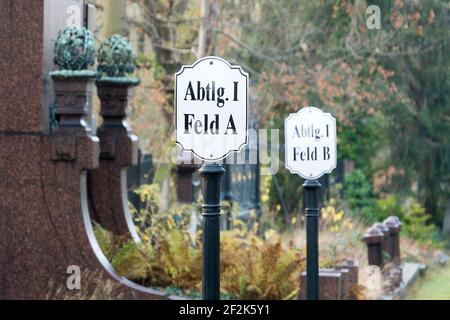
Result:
435,286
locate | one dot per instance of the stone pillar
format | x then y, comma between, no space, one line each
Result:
184,172
185,189
397,240
345,280
118,150
23,223
345,287
394,238
21,56
385,230
353,267
374,241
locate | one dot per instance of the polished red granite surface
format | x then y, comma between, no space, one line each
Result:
43,188
21,36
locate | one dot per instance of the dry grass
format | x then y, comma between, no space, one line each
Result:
95,285
337,247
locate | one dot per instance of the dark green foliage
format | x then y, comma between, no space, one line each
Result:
418,128
74,49
389,206
362,140
417,225
359,195
116,57
285,188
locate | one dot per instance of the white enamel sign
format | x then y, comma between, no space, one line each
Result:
310,143
211,105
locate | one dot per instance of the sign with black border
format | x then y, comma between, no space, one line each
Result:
310,143
211,108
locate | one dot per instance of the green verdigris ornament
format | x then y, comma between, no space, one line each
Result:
74,52
74,49
116,60
73,84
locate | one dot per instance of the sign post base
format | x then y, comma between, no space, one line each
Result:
311,188
211,173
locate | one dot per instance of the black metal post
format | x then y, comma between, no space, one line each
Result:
311,188
211,174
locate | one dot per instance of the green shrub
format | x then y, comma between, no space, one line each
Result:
416,225
359,195
132,260
389,206
252,266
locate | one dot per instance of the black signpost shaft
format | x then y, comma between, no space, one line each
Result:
211,173
311,188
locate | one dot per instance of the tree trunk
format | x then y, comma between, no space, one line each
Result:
205,25
430,185
115,18
446,224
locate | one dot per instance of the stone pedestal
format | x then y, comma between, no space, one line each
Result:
118,150
353,267
374,241
185,190
394,239
386,243
330,285
345,287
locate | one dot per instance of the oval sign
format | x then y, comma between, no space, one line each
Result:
211,106
310,143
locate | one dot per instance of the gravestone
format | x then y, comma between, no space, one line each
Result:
45,226
330,284
353,267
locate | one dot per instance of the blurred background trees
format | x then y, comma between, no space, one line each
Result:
389,89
